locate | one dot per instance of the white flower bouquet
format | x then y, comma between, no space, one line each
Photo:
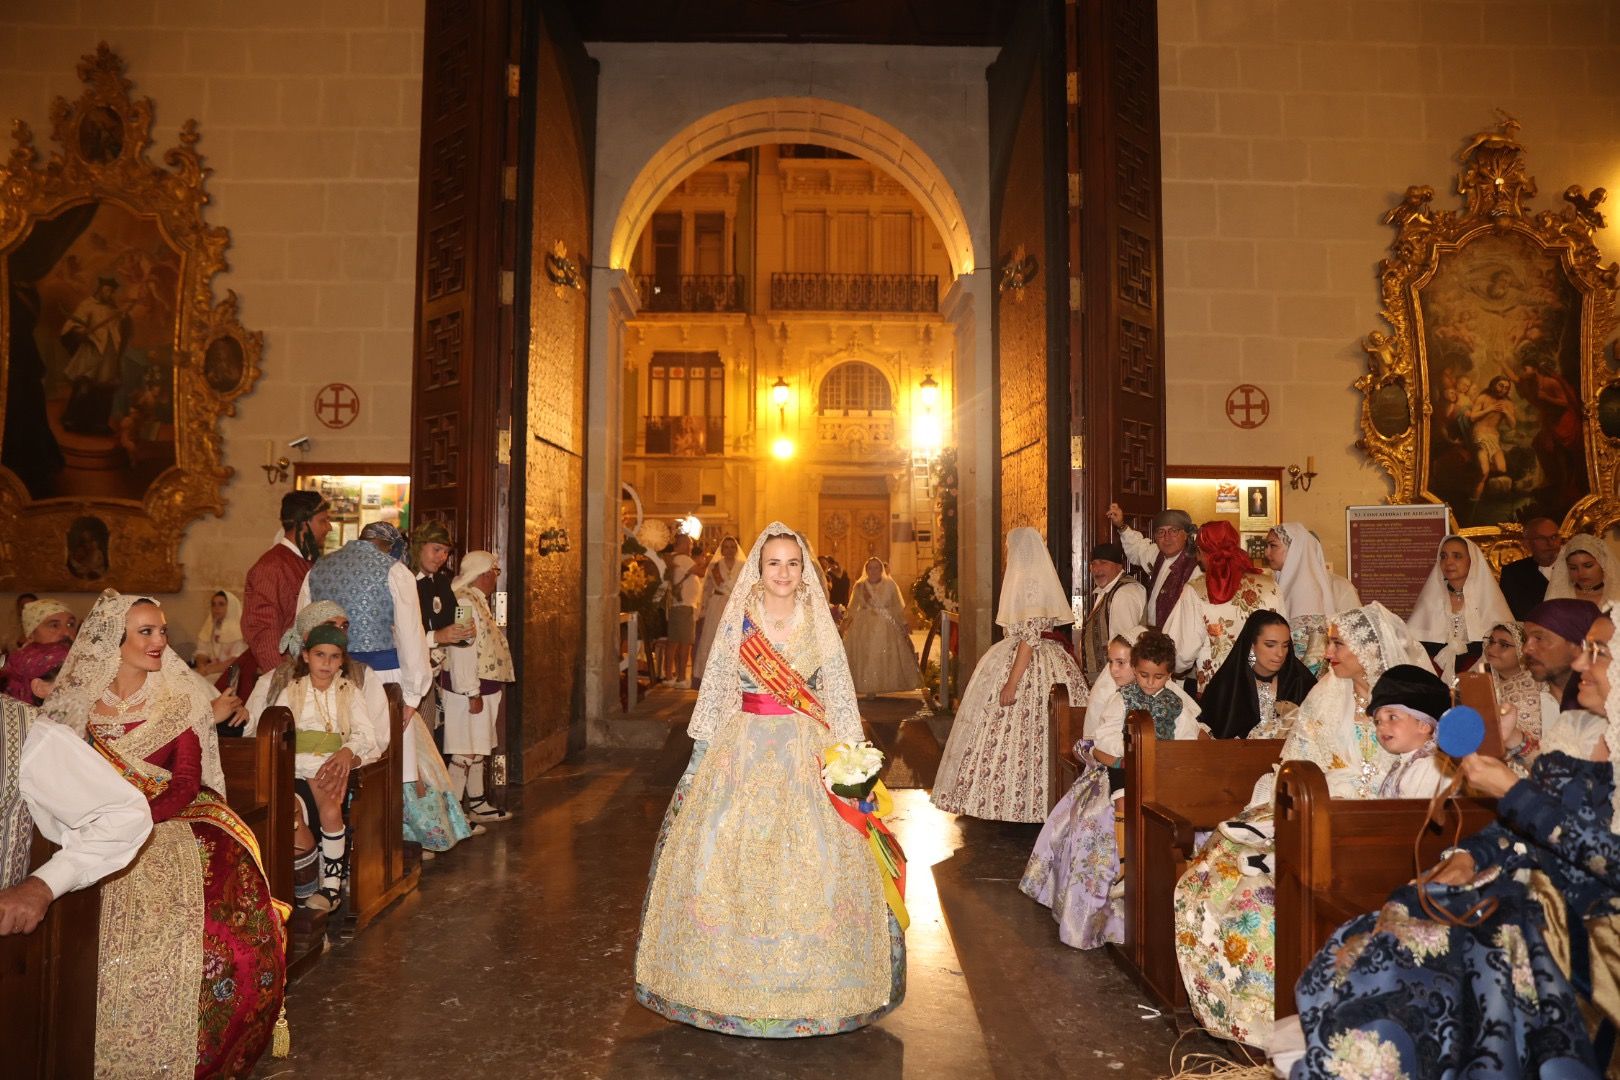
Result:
851,769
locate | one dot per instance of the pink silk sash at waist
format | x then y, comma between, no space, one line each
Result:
764,705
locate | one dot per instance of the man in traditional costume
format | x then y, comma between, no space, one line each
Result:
430,546
48,632
270,599
472,684
51,780
1117,608
1170,558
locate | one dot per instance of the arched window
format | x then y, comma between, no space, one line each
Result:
855,387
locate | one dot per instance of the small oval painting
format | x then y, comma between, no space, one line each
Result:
87,540
101,135
1609,410
1390,409
224,365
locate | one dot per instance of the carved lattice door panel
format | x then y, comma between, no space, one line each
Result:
853,530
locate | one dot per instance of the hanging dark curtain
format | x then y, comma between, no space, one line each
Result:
28,448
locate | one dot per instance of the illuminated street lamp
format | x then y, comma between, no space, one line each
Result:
779,392
929,392
782,448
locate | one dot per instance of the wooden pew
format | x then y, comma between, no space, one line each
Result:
379,872
1174,788
1066,724
259,787
48,986
1334,863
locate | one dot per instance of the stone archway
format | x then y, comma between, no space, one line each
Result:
785,120
613,301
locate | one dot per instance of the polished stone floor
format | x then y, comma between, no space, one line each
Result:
514,957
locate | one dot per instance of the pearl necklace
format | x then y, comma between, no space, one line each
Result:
123,705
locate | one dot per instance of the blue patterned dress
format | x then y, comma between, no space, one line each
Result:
1529,992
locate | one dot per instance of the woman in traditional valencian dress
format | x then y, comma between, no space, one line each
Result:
881,658
219,639
192,946
1459,604
1311,592
1586,569
1213,608
1525,986
1258,690
767,915
995,760
1225,920
718,581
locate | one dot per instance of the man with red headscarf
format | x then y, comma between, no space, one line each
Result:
1213,608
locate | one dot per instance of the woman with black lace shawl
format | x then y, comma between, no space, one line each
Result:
1260,676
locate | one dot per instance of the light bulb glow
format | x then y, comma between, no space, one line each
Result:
928,392
927,433
779,392
692,526
782,448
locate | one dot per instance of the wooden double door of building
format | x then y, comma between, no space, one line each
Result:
853,529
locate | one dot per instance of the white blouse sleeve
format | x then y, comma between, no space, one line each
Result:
415,671
257,702
1109,732
368,719
80,803
1187,629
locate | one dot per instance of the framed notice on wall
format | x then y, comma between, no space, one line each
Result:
1392,550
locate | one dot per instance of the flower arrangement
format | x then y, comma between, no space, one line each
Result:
654,535
851,769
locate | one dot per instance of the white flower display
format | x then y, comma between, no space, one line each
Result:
851,764
654,535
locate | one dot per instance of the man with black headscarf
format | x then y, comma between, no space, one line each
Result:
270,595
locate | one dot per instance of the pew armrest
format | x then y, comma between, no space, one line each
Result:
1180,829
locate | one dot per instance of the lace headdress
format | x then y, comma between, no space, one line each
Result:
93,661
1561,587
721,693
1306,586
1379,639
1031,589
1483,603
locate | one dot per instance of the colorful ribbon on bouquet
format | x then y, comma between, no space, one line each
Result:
787,688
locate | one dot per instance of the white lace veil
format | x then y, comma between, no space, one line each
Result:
1560,587
721,695
93,661
1304,581
1031,588
1379,639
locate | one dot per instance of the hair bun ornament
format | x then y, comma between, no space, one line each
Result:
1461,731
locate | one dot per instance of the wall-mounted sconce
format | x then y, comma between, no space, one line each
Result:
563,271
1300,479
553,541
275,467
1019,270
276,471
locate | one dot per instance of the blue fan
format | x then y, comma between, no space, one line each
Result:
1462,731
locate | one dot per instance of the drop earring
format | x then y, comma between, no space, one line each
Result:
1253,659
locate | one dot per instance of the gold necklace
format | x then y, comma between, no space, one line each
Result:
120,705
320,706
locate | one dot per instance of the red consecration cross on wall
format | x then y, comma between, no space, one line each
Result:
337,405
1248,399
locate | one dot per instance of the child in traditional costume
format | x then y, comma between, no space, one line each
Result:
1406,705
473,682
1076,861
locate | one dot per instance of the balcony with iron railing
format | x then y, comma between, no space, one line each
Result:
854,292
686,436
691,292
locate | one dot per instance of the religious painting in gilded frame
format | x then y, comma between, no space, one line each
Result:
117,361
1484,395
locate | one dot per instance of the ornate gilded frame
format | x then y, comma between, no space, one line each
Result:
100,159
1397,422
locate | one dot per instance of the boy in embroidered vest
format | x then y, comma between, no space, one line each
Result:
472,683
1175,714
